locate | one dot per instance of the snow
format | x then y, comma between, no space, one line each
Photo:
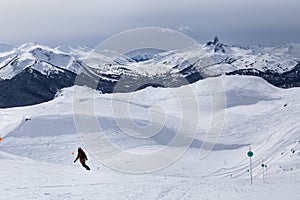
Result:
38,141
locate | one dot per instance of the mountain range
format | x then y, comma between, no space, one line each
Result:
34,73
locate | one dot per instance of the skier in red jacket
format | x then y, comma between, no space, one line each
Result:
83,158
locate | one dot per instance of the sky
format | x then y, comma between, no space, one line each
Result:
89,22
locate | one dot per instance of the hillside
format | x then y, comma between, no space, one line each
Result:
38,141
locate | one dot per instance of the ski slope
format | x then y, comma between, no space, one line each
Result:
38,141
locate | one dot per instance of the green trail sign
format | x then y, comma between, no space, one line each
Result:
250,154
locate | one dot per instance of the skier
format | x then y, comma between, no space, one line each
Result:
82,157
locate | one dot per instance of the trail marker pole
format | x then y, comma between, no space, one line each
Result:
263,171
250,155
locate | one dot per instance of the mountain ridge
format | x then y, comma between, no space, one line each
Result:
102,70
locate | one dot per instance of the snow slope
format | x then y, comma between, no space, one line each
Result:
38,141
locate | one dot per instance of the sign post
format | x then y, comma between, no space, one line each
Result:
263,171
250,155
264,168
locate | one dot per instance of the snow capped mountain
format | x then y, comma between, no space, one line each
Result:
141,55
41,58
216,45
37,67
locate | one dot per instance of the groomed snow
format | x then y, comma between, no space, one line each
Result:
38,141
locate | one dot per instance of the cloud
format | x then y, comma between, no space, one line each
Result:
184,28
91,21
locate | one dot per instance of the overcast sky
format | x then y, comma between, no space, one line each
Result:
88,22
